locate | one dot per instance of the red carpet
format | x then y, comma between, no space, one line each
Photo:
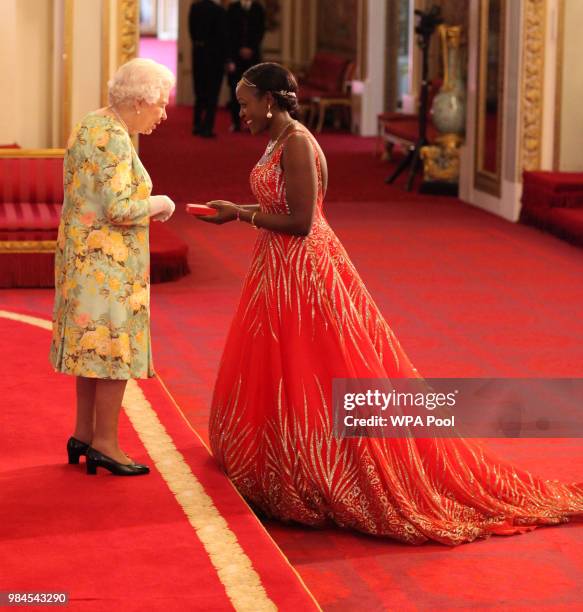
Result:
162,51
467,293
119,543
168,254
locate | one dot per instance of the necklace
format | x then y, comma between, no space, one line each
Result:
124,124
272,143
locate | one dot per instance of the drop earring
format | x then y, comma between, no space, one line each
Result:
269,113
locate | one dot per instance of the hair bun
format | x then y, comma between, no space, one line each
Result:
277,80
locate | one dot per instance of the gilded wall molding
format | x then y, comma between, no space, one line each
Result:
67,85
28,246
34,153
128,30
533,64
489,179
559,85
105,49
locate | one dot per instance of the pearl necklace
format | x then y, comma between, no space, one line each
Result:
124,124
272,143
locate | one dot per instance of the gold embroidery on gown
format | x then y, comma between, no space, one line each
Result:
304,318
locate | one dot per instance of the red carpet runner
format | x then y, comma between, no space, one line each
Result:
118,543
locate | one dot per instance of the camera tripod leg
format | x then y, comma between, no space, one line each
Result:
402,165
415,164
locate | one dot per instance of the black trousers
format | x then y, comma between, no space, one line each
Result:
207,78
234,78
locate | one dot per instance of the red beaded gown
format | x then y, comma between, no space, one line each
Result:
304,318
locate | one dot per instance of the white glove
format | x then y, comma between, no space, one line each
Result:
161,208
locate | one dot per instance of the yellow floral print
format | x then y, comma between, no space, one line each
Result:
101,319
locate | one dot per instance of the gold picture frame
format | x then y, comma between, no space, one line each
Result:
486,179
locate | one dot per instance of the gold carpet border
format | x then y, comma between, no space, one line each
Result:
234,569
14,316
254,516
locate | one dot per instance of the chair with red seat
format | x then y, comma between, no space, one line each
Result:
553,201
31,198
335,100
325,77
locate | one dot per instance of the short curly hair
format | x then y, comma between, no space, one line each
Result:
140,79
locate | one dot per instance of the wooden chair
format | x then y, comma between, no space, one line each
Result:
335,100
325,77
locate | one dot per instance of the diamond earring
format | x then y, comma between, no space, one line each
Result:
269,113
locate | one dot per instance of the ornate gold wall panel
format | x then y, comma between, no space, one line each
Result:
559,85
128,30
533,65
28,246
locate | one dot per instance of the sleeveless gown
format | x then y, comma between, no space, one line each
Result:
304,318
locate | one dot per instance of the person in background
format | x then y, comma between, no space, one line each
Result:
101,316
246,27
207,27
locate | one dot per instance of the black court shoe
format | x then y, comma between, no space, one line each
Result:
76,448
96,459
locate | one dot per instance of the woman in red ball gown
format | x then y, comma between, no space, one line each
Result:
305,318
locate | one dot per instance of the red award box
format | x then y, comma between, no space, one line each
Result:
200,210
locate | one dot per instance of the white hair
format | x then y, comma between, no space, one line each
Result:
140,79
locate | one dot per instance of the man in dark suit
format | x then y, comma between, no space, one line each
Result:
207,27
246,26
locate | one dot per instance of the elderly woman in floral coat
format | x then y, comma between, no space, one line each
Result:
101,319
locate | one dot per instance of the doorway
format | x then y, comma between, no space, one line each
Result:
159,35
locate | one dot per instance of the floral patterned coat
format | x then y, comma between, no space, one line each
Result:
101,318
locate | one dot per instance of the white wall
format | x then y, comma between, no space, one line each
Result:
168,19
35,37
26,85
31,68
571,154
373,87
86,86
57,73
550,83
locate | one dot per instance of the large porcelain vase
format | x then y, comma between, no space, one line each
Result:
449,105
